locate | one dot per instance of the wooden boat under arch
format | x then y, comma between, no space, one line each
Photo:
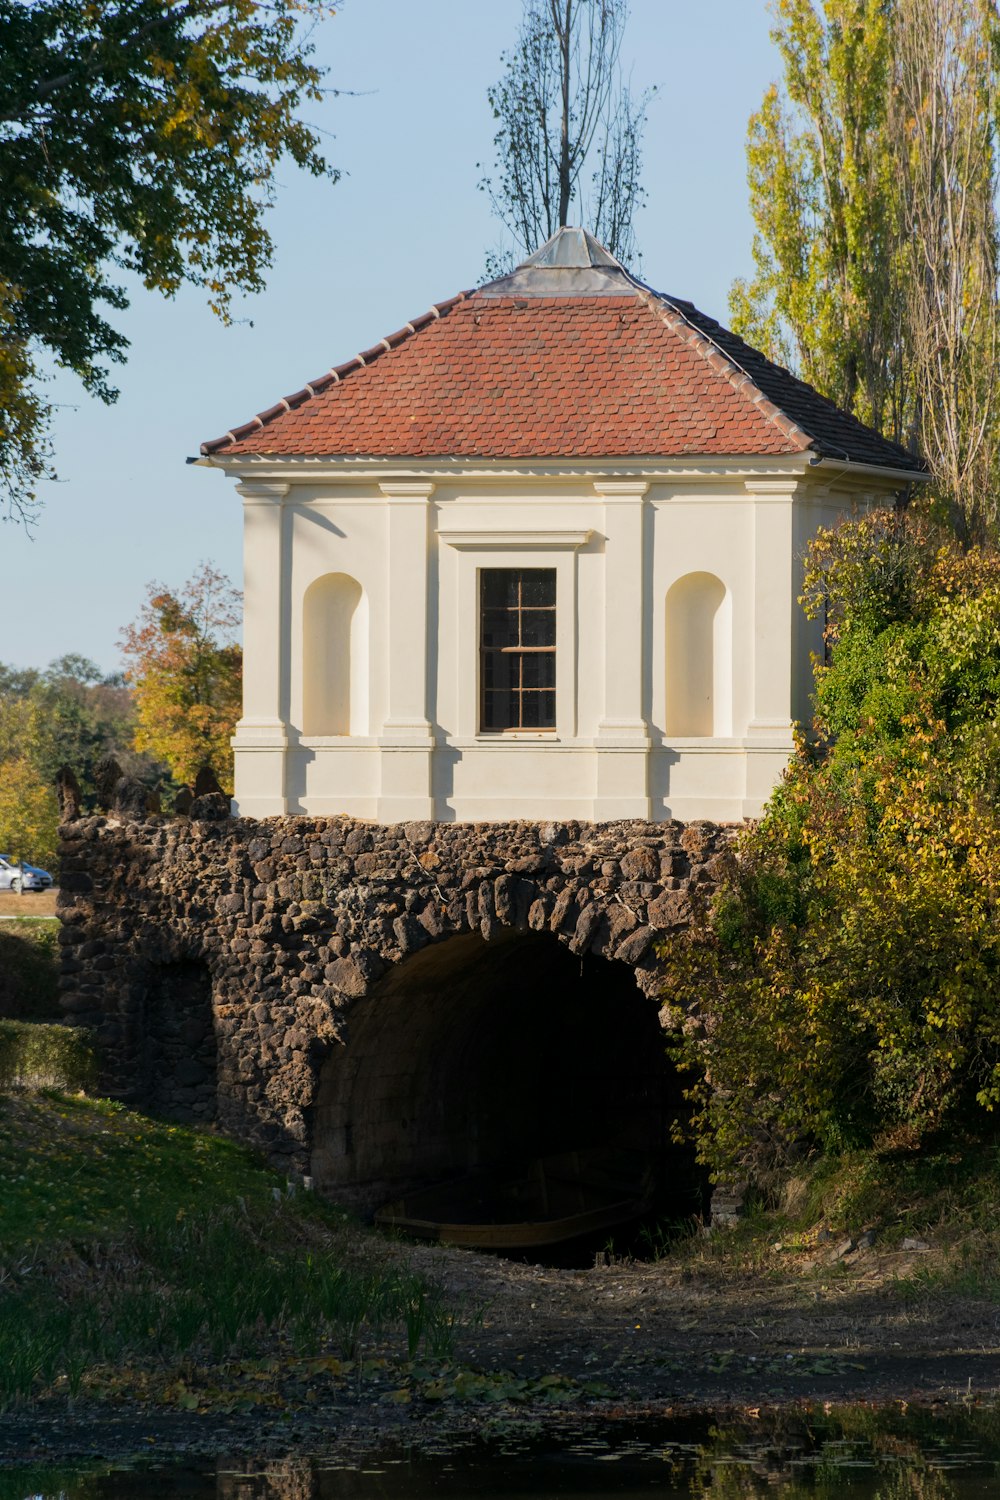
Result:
546,1201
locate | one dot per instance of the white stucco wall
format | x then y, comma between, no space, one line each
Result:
677,589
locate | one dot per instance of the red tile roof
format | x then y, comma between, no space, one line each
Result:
498,376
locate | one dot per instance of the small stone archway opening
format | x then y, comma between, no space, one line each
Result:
178,1063
472,1055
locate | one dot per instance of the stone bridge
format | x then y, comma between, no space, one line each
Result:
376,1006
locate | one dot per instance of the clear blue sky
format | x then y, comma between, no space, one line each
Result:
404,228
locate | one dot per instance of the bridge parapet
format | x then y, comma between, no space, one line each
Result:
218,960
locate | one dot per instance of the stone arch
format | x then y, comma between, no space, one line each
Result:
470,1054
335,657
283,930
699,657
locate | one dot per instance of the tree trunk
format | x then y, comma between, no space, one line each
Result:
565,182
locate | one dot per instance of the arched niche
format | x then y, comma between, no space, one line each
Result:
699,657
335,657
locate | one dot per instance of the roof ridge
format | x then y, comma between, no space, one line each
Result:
720,361
337,373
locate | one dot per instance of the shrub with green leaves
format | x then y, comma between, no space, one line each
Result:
29,969
846,986
38,1056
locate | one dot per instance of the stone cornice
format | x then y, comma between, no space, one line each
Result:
262,492
406,489
782,491
516,540
606,472
620,489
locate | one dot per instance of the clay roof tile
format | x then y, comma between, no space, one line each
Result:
568,357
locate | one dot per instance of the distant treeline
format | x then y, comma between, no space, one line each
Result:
68,713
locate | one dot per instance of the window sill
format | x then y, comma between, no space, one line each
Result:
508,736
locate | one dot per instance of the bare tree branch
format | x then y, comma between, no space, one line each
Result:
570,131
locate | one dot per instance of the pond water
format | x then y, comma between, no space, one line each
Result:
854,1453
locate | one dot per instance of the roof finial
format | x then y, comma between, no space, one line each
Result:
572,249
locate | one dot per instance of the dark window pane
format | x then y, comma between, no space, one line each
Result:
499,710
540,670
500,670
499,587
538,627
538,586
499,628
538,710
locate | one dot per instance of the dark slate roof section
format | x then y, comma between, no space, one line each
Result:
835,434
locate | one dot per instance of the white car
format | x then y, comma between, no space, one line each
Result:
24,877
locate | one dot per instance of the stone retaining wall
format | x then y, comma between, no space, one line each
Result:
204,945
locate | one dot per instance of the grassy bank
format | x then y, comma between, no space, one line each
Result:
133,1254
935,1211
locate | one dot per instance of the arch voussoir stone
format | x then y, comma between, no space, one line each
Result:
298,919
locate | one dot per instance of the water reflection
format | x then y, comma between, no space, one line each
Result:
850,1454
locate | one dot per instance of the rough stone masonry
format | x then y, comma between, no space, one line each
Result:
219,960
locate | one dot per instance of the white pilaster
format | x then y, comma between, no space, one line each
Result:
407,738
261,739
775,605
623,742
775,570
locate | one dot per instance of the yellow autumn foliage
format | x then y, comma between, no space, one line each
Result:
185,668
29,814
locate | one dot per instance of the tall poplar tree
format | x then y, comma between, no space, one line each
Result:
824,297
873,185
943,120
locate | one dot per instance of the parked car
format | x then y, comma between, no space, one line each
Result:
15,877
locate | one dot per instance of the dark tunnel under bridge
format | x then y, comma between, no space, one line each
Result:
472,1055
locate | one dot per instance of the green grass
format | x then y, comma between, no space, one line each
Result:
29,952
945,1194
130,1249
947,1188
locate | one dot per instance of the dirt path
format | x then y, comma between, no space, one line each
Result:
867,1326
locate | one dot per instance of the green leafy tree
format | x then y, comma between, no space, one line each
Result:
140,135
70,714
569,131
825,298
873,188
846,988
185,667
